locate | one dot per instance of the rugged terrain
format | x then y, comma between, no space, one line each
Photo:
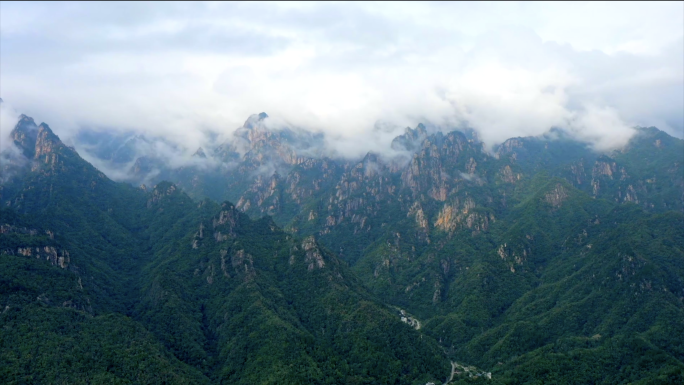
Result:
541,260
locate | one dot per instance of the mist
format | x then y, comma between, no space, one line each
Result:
358,73
8,119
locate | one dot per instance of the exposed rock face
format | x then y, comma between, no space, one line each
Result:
279,172
513,256
556,196
242,263
429,171
57,257
25,135
8,229
603,168
226,216
46,142
314,257
224,268
341,194
508,176
37,142
578,173
260,147
284,173
471,166
227,221
40,144
631,195
220,237
447,218
508,147
160,191
410,140
457,215
417,211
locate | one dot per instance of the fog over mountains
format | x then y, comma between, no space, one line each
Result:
190,72
342,193
439,259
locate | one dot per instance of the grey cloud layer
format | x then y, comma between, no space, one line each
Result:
182,70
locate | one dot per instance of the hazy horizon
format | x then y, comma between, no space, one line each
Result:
358,72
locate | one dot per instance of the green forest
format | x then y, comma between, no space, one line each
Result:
523,276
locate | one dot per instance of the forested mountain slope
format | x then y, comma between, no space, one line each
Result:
105,282
542,261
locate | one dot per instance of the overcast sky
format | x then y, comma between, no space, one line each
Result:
505,69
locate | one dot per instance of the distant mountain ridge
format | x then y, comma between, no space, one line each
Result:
540,261
104,282
257,152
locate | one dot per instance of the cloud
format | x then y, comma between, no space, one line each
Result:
470,177
11,157
8,119
135,158
602,127
189,72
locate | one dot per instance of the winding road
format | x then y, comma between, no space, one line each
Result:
453,371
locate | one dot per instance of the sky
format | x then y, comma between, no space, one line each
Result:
359,72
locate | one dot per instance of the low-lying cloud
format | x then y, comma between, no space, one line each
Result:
8,119
192,73
11,157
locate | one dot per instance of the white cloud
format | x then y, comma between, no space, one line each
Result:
8,119
181,70
602,127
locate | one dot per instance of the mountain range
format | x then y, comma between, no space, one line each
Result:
265,259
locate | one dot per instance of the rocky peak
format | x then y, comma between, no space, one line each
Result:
260,147
604,167
35,141
25,134
646,137
160,191
200,153
509,146
164,188
254,120
411,139
229,215
46,141
556,196
252,131
371,157
314,256
146,165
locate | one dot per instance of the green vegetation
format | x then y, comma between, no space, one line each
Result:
527,270
158,288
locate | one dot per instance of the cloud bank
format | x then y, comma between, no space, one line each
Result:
357,72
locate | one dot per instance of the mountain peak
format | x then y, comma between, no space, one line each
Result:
46,141
34,141
200,153
411,139
44,127
25,134
650,132
254,120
